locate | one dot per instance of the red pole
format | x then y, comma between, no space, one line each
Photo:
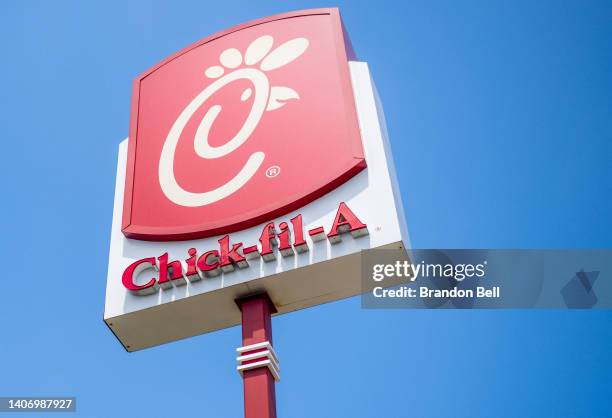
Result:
256,358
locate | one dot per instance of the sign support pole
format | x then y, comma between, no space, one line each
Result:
257,361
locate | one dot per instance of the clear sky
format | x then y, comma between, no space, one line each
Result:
500,119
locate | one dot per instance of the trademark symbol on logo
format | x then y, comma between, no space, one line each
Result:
272,171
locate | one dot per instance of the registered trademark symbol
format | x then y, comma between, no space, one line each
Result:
273,171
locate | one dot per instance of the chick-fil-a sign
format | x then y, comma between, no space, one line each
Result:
241,128
232,255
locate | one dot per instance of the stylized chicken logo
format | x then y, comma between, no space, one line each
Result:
265,98
202,162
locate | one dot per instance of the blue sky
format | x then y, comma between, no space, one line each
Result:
499,115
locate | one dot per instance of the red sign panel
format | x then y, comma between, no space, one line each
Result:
241,127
